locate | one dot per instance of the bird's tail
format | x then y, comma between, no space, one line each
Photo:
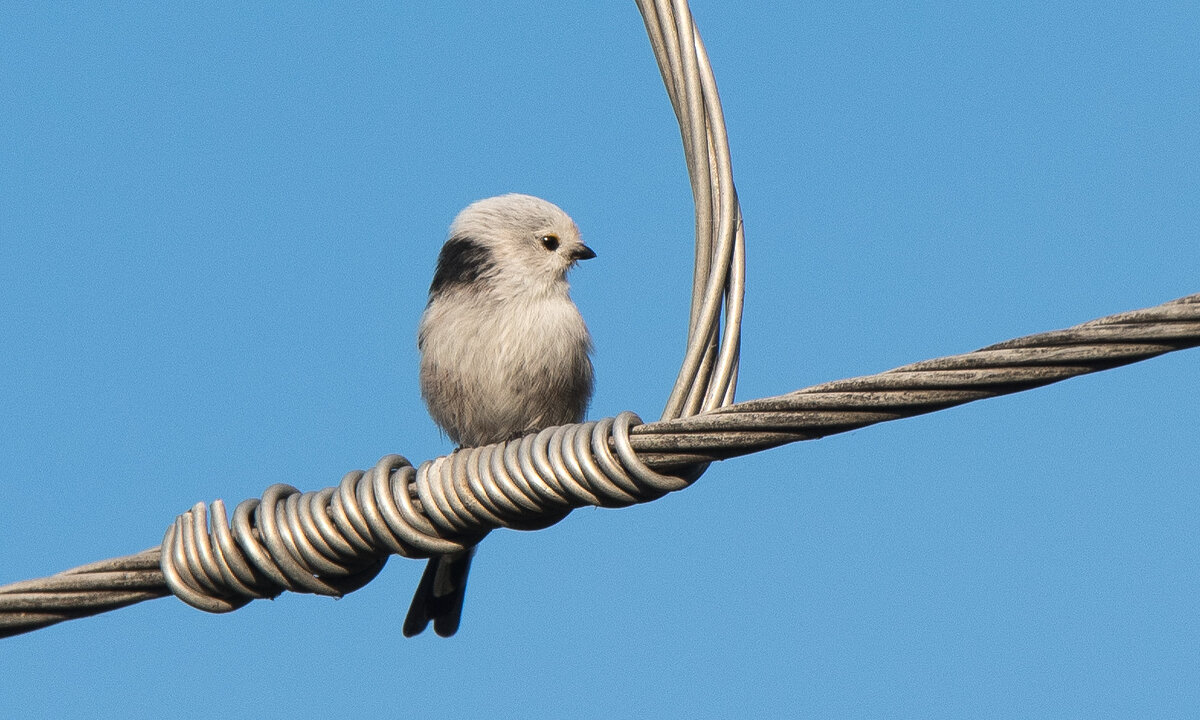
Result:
439,595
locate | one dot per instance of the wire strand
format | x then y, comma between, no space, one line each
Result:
334,540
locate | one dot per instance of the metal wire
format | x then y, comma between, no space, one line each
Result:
334,540
708,376
922,387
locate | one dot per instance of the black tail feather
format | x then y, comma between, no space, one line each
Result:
439,595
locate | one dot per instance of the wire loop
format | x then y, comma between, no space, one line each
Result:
331,541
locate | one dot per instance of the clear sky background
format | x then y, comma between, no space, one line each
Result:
217,228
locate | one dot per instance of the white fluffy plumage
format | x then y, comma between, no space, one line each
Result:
504,350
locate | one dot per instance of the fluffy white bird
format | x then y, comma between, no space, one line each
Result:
504,351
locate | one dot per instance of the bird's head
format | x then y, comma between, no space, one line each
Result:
517,242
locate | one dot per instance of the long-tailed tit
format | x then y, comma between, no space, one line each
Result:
504,351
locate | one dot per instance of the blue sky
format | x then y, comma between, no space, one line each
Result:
217,229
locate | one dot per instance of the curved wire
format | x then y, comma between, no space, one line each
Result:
333,540
708,375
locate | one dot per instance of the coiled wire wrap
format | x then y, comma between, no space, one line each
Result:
341,556
334,541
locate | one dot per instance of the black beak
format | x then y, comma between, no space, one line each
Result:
583,252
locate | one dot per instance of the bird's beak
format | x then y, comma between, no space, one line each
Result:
583,252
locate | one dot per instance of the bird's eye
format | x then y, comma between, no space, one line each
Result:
550,242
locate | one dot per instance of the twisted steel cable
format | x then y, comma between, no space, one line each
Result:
706,380
708,376
1012,366
334,540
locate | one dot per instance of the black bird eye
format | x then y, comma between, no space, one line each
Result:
550,242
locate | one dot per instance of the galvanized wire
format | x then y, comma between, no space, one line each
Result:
1000,369
708,376
334,540
79,592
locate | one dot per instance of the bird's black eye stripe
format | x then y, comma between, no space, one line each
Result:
550,242
461,262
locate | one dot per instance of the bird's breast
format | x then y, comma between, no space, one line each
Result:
503,369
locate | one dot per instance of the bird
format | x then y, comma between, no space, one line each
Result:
504,351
